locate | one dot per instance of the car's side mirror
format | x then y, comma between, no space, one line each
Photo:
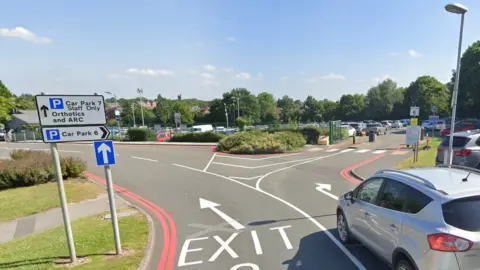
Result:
349,196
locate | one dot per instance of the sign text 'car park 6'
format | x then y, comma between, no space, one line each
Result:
73,134
65,110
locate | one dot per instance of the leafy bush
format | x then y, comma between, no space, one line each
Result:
311,133
208,136
261,142
241,123
28,168
141,135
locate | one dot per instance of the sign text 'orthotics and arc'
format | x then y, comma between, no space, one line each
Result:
64,110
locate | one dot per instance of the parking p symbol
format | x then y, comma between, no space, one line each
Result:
53,134
56,103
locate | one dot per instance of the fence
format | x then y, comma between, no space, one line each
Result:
335,132
26,135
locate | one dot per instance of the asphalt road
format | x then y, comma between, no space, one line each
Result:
239,213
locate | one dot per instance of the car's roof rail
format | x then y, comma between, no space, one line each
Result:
411,176
460,167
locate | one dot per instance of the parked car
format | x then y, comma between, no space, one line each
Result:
163,136
397,124
424,218
466,147
387,124
351,131
462,125
3,134
377,128
359,127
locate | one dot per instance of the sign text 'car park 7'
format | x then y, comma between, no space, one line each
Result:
65,110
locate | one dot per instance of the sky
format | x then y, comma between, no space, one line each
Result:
203,48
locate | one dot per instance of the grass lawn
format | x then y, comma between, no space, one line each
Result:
426,158
25,201
93,238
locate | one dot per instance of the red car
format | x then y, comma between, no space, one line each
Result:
163,136
461,126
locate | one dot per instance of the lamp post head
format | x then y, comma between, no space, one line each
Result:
456,8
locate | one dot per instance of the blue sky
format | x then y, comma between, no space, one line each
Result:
202,48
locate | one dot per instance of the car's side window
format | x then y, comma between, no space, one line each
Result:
416,201
368,191
393,195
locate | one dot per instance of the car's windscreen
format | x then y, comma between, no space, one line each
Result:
354,125
463,213
371,125
457,141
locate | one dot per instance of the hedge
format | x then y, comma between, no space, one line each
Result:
208,136
311,133
29,168
141,135
261,142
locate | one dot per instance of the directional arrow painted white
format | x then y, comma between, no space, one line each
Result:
213,206
104,149
324,188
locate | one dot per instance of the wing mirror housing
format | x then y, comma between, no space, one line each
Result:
349,196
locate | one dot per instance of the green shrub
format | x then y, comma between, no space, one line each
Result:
28,168
209,136
241,123
141,135
344,134
257,142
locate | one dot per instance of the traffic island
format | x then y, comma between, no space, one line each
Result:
426,155
260,143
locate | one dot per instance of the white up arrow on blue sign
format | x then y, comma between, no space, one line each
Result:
104,152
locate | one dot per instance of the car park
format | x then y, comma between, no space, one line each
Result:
424,218
386,124
462,125
360,128
376,128
351,131
466,147
397,124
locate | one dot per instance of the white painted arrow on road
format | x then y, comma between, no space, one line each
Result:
213,206
323,189
104,149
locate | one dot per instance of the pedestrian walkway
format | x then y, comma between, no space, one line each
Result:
53,218
362,151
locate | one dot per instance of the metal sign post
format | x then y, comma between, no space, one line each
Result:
105,156
63,202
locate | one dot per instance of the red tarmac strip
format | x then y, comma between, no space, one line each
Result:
167,257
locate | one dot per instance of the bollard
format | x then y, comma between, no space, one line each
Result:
353,138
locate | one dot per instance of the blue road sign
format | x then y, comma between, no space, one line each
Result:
56,103
53,134
104,152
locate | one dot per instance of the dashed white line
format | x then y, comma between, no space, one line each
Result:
362,151
379,151
332,150
146,159
346,150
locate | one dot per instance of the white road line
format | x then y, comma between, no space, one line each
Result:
232,165
332,150
245,178
379,151
354,260
346,150
265,158
209,162
362,151
269,165
256,243
147,159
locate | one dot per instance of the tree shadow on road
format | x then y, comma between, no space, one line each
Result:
318,251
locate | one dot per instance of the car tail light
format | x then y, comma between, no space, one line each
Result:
439,150
463,152
448,243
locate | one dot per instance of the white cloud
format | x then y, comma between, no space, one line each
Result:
360,81
393,54
150,72
414,54
259,76
243,75
210,67
206,75
231,39
25,34
332,77
284,78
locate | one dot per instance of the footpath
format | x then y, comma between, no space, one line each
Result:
53,218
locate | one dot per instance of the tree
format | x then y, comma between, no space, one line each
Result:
266,107
288,108
312,110
26,102
6,106
468,98
4,92
380,100
425,92
351,107
241,123
249,108
330,110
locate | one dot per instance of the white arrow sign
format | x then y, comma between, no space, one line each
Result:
323,189
104,149
213,206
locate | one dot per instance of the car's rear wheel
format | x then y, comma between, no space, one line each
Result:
342,227
404,265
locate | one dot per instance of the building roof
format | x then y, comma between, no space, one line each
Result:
29,117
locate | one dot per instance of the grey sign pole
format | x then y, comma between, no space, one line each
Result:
113,210
63,201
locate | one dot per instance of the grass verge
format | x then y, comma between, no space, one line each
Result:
26,201
426,158
93,239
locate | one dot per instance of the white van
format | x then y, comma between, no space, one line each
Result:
202,128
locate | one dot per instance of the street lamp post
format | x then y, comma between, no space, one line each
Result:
226,113
456,9
133,114
140,92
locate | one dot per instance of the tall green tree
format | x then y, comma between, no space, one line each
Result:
266,106
351,107
312,110
26,102
380,100
4,91
247,103
288,108
425,92
468,100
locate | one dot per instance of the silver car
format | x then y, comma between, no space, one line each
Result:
426,218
